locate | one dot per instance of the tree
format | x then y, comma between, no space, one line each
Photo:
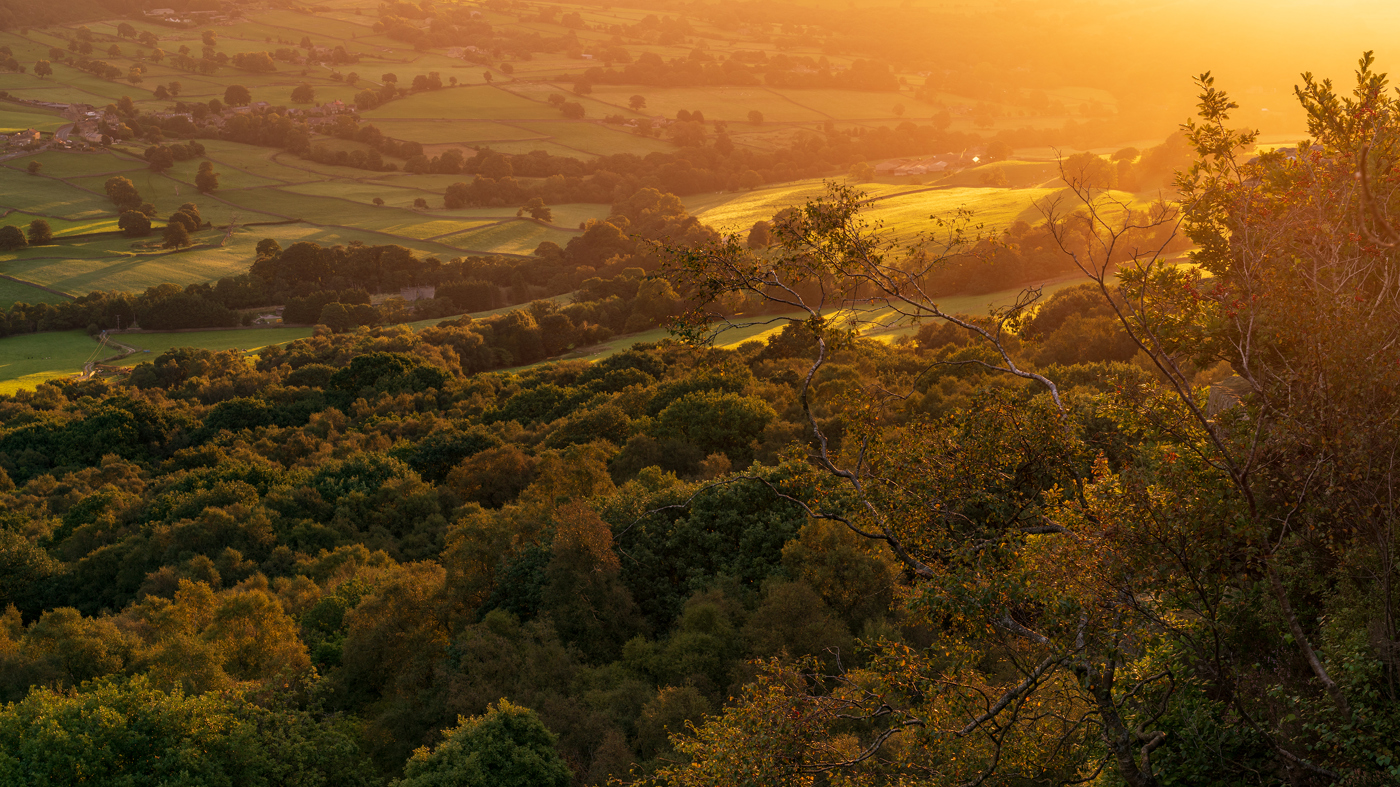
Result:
139,735
122,193
1090,171
637,103
160,158
134,224
134,75
488,76
378,202
176,235
125,30
755,117
43,69
188,215
162,92
237,96
206,180
861,172
12,238
40,234
995,178
998,150
304,94
537,210
1212,517
507,746
759,235
34,167
572,110
336,317
899,110
209,38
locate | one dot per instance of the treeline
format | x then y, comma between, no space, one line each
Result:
1026,253
688,170
607,264
331,554
702,68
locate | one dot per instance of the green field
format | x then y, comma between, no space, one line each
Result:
26,361
49,197
433,132
12,292
903,210
267,186
70,164
246,339
17,117
465,103
62,227
733,104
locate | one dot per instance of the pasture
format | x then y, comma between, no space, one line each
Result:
249,340
510,115
12,292
18,117
465,103
31,359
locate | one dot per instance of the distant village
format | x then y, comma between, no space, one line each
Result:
88,126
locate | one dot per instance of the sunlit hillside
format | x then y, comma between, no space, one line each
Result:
699,393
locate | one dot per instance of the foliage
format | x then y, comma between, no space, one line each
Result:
507,746
132,732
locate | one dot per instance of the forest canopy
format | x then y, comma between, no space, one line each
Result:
1136,531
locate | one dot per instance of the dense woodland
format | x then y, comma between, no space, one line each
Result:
1111,535
1140,532
407,541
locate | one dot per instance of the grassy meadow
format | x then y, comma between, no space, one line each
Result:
26,361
